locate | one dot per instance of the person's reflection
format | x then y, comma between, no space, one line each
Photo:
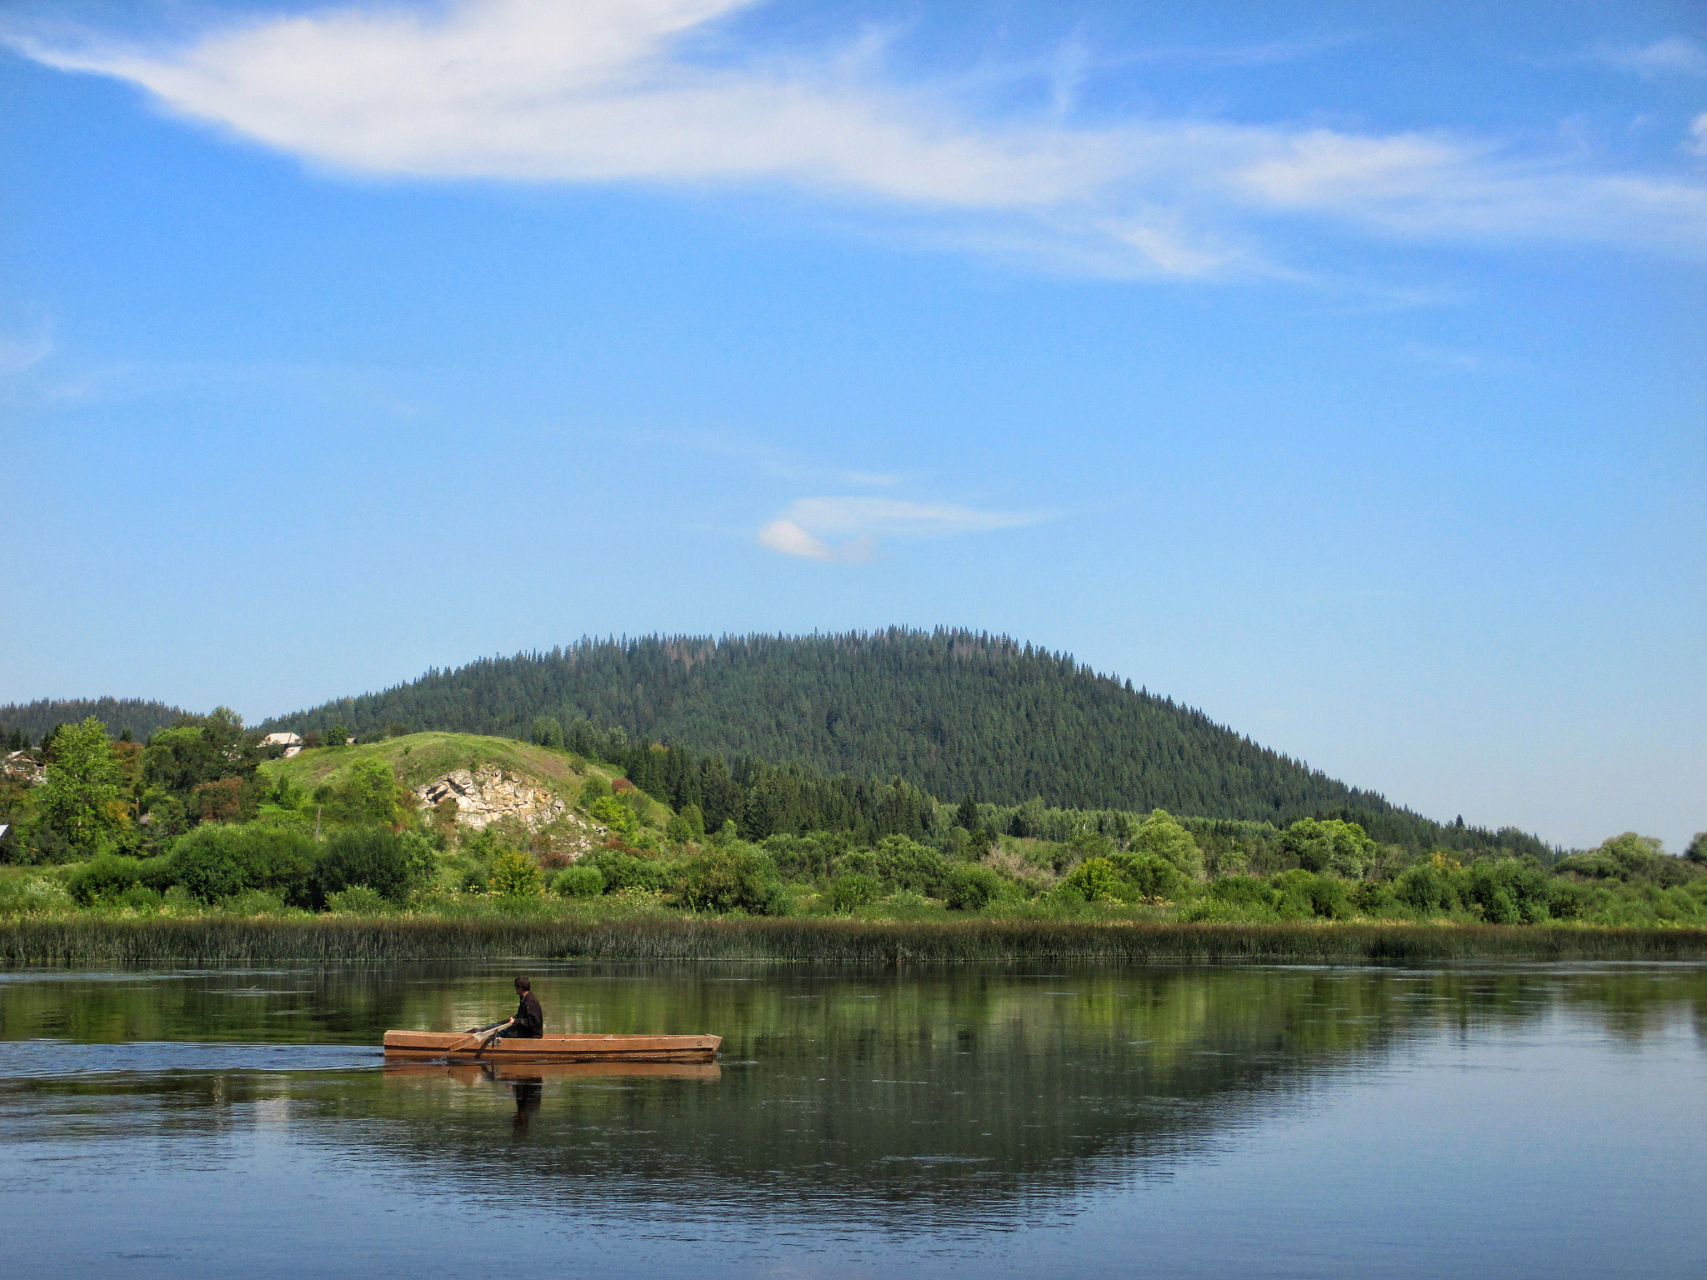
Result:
528,1094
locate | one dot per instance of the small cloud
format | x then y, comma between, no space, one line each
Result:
17,354
871,477
804,528
1698,132
789,539
1676,54
1445,357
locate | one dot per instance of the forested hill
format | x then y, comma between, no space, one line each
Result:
37,719
951,711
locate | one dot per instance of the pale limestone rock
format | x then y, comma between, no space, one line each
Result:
488,794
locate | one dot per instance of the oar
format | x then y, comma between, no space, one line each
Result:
481,1035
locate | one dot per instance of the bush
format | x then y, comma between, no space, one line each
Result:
1329,847
898,862
1245,891
728,879
1428,887
578,881
1304,894
357,900
972,888
371,857
851,891
1095,880
214,862
625,871
1161,837
514,875
616,814
1148,875
103,878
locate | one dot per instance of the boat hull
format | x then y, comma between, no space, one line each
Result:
424,1046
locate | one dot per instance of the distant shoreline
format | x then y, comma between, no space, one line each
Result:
79,942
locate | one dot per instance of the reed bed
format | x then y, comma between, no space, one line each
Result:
82,943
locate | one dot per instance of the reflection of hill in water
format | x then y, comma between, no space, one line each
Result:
973,1091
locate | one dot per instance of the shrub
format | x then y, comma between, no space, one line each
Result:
1245,891
578,881
1329,847
369,795
1304,894
727,879
1429,887
972,888
898,862
854,890
214,862
103,878
1095,880
1160,836
514,875
1507,891
357,900
371,857
209,864
1148,875
625,871
616,814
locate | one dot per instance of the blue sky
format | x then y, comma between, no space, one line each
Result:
1336,369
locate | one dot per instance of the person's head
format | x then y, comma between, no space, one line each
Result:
522,983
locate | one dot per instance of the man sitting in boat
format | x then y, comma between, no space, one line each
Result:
529,1020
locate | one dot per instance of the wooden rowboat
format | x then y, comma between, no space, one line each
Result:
449,1046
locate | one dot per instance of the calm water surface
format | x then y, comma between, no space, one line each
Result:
1264,1121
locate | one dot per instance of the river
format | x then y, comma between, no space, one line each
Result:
1489,1121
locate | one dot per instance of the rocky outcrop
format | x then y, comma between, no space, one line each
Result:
489,794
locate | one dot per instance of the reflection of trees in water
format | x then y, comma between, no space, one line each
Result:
968,1091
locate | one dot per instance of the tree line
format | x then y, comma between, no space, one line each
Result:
950,711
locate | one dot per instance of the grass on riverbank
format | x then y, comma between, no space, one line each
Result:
83,941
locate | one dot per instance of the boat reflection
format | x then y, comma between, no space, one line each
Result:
470,1073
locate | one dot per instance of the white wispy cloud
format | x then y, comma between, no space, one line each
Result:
634,91
808,525
18,354
1675,54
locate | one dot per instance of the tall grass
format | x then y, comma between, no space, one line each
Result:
83,941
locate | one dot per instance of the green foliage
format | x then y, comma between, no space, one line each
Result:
103,879
1697,851
1306,894
594,789
1149,875
80,801
357,900
1095,880
686,826
970,887
1161,837
625,871
615,813
952,712
578,881
216,861
898,863
368,794
853,890
729,878
1329,847
389,863
515,875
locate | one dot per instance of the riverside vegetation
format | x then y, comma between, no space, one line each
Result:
197,843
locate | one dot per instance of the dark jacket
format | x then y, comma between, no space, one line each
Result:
530,1018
